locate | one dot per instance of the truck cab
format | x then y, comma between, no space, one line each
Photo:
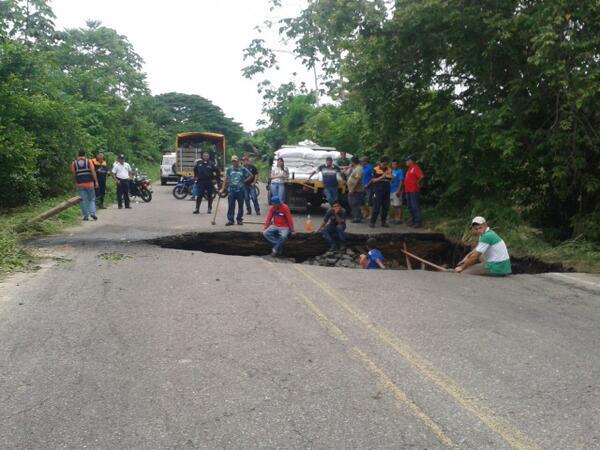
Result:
167,172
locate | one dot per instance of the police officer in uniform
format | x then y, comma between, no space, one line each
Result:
205,171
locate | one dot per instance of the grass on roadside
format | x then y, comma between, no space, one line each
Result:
521,239
14,256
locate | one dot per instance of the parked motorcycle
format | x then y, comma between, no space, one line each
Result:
140,186
183,188
186,186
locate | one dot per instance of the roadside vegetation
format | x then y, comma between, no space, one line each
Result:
498,100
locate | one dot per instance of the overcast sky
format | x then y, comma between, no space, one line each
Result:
192,46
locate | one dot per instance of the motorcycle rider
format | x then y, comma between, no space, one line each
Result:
205,171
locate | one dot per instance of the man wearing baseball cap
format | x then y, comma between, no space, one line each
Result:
236,177
278,225
491,248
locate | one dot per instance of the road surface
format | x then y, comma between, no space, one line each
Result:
115,343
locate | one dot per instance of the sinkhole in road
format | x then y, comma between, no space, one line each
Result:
311,249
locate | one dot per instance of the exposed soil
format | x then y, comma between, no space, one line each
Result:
312,249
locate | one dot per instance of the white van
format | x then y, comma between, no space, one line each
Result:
166,168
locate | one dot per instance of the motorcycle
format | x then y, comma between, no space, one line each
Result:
186,185
183,188
140,186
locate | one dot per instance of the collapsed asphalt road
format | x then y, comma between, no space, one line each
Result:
124,344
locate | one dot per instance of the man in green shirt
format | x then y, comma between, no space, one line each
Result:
491,248
236,177
343,163
356,192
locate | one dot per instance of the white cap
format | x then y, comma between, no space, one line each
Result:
478,220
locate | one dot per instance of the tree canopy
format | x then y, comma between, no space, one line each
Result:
83,88
498,98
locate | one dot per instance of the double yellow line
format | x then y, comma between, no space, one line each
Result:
467,401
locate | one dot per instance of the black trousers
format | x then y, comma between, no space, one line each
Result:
101,189
123,193
381,203
204,188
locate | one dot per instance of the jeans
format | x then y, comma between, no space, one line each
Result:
203,188
331,194
356,200
250,194
331,230
123,193
277,236
381,202
413,200
88,196
232,199
279,190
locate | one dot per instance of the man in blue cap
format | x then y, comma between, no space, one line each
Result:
278,225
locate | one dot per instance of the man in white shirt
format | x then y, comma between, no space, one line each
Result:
121,172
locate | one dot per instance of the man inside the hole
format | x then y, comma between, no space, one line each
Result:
490,249
334,224
373,259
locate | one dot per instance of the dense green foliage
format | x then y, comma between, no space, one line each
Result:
500,99
61,91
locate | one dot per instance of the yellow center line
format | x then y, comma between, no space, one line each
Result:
358,354
514,437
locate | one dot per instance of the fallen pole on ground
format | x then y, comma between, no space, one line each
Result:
54,211
423,261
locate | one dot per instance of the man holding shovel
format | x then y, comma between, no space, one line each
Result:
236,177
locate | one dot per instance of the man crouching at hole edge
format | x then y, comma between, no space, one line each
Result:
490,249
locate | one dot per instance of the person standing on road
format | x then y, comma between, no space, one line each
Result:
356,193
101,174
373,259
412,187
121,173
279,176
205,172
279,224
330,179
382,187
396,192
490,249
367,186
250,188
334,224
84,176
235,178
343,163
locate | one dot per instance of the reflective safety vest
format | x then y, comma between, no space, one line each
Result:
83,172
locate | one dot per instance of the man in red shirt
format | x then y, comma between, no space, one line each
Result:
412,187
278,225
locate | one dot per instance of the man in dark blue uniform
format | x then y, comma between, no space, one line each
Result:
205,171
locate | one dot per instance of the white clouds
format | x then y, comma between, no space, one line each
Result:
193,47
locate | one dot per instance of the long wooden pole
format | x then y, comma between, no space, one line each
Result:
408,264
424,261
54,211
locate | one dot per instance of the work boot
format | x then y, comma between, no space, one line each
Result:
196,211
93,216
228,224
240,222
